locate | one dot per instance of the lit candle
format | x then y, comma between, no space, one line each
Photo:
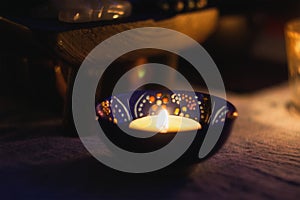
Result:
164,123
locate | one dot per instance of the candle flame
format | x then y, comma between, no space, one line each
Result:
162,121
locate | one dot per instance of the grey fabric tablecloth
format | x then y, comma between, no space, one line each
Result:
261,159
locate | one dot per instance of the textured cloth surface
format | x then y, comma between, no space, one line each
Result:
260,160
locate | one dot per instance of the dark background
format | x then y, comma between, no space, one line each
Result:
248,47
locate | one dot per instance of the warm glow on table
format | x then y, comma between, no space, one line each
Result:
164,123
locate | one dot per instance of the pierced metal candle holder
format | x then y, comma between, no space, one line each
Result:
120,110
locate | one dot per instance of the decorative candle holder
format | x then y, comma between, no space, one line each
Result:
143,111
292,36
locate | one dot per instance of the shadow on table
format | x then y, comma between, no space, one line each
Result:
88,178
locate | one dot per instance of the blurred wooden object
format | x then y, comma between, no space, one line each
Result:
73,46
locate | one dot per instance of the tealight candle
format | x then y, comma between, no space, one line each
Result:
164,123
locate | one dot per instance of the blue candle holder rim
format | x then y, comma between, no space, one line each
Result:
128,109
